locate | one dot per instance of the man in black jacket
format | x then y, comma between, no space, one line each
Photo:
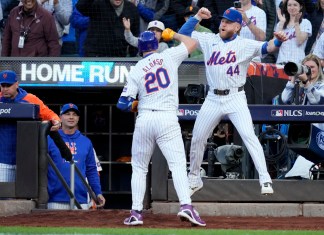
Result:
106,31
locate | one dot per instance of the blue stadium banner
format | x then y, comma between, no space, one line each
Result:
86,72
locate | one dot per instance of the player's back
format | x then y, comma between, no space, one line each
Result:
157,79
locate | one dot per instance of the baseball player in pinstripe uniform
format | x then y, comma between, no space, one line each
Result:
227,57
154,80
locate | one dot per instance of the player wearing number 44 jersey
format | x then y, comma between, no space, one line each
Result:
227,57
154,80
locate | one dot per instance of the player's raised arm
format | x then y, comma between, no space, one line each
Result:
276,42
191,44
189,26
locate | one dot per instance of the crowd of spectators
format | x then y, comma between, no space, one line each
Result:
108,29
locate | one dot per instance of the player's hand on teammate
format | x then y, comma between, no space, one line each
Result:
281,36
167,34
204,13
56,125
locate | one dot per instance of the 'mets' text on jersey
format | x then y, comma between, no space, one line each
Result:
216,58
227,59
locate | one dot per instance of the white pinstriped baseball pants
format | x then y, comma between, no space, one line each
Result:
161,128
210,114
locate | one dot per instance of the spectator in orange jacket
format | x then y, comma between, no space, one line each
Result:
12,93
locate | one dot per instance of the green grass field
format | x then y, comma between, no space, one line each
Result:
147,231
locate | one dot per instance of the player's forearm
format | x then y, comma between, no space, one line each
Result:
190,43
271,47
189,26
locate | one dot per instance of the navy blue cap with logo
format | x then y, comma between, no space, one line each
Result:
70,107
232,15
8,77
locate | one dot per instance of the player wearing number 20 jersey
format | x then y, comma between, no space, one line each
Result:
154,82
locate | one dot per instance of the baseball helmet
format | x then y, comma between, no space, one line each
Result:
147,42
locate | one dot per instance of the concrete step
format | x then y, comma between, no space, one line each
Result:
14,207
245,209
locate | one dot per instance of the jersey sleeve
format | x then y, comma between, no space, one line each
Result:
131,88
177,54
253,48
91,170
45,112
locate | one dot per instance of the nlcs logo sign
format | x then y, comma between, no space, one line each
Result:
286,113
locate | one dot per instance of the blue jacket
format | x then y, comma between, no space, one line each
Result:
83,156
8,133
8,129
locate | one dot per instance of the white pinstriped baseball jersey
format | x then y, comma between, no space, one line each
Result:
155,80
226,63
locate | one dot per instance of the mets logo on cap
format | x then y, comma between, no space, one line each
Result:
232,15
8,76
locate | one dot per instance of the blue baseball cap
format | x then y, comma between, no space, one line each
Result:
232,15
8,77
70,107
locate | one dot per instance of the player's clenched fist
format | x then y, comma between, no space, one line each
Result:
203,13
168,34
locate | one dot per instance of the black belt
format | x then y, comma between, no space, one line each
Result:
227,91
